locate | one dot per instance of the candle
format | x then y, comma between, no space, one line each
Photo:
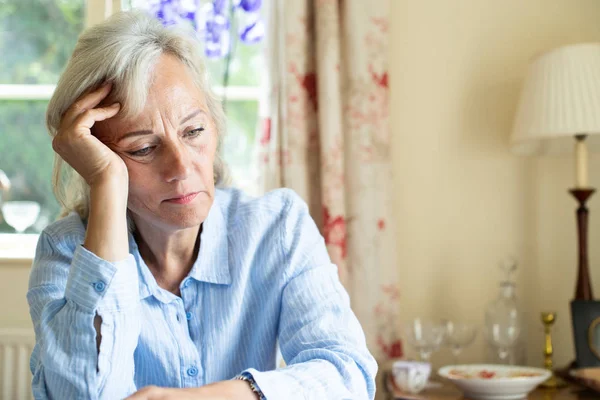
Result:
581,163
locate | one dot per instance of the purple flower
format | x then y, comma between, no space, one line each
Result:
219,6
212,20
217,46
250,5
171,12
253,33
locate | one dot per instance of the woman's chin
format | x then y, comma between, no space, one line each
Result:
171,220
185,220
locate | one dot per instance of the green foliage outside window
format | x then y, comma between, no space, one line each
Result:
37,38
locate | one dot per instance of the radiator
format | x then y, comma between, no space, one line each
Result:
16,346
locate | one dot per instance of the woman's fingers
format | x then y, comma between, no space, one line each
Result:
86,102
84,152
88,118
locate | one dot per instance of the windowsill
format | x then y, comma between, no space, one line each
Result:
17,249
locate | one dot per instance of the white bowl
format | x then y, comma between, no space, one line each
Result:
494,382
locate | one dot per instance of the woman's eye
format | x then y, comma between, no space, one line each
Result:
142,152
194,132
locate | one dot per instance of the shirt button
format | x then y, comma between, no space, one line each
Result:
186,283
192,371
99,286
188,315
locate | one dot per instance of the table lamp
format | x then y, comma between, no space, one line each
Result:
559,108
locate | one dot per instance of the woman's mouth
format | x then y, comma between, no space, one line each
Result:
185,199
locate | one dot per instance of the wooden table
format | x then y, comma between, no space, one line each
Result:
572,392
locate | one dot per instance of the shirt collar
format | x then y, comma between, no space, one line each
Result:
211,266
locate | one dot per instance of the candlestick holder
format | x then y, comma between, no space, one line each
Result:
583,288
548,318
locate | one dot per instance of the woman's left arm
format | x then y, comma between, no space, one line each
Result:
320,338
225,390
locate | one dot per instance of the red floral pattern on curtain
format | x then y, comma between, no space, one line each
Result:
326,135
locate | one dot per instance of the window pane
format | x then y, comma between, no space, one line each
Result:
37,38
26,156
244,69
238,147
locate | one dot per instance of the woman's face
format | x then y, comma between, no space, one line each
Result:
169,150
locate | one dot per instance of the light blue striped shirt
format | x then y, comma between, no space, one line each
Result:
262,276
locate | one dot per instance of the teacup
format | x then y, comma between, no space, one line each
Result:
411,376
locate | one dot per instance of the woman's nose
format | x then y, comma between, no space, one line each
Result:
177,163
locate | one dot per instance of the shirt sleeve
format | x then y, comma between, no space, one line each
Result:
67,289
321,339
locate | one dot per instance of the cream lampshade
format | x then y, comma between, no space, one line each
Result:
559,102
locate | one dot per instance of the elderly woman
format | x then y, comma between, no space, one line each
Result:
155,284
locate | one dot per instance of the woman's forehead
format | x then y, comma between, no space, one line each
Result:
172,96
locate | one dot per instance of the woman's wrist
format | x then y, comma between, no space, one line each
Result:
246,391
232,389
107,234
249,380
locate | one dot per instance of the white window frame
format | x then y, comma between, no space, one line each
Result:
19,249
44,92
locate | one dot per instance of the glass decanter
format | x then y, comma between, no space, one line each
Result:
504,322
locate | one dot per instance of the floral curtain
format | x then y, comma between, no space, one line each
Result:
325,134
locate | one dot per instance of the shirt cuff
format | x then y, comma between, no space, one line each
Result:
274,384
95,283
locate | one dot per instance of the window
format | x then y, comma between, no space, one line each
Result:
36,40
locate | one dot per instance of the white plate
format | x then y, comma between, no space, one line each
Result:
507,382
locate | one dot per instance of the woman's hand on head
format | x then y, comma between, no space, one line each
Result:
224,390
74,142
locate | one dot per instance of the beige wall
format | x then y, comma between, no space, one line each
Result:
463,201
14,312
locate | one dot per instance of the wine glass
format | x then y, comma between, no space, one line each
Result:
503,336
425,337
20,214
19,207
459,335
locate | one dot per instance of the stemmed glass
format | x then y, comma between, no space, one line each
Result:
425,337
20,214
458,336
19,209
503,337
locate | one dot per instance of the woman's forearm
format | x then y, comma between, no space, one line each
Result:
69,286
107,234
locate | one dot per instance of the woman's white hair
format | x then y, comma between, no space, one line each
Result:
123,50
